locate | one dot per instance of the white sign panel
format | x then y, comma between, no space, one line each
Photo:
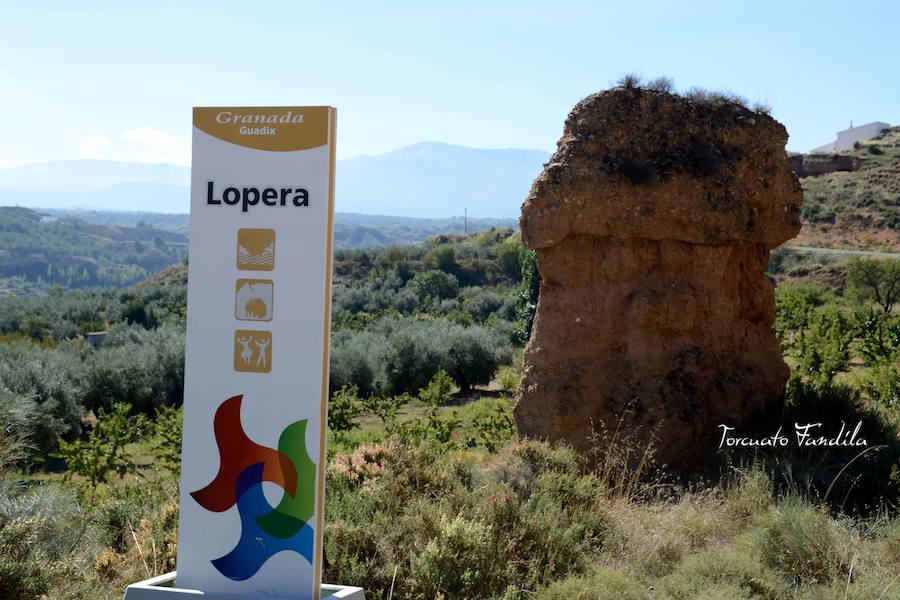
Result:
256,374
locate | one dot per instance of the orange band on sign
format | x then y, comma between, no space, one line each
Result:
279,129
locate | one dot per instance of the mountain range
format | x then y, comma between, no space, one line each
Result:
426,180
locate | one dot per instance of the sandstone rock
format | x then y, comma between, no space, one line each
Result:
652,226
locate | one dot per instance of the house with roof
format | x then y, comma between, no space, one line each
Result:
848,137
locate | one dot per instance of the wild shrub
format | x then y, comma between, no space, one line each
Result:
410,351
527,297
795,304
355,360
438,391
851,478
139,525
37,525
104,451
427,524
733,573
27,568
442,258
54,381
631,81
822,349
879,336
882,385
143,368
752,492
167,427
434,285
802,543
492,430
509,257
600,584
508,377
343,408
386,408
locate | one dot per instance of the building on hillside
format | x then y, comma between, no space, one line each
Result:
95,339
848,137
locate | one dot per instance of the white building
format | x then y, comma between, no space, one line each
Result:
848,137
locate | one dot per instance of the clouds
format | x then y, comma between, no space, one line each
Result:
142,145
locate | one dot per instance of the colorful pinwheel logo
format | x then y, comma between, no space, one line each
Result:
244,466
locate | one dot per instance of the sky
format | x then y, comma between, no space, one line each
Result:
117,80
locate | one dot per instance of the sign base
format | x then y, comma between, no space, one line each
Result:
162,588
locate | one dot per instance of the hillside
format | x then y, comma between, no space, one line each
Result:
858,209
351,230
425,470
38,251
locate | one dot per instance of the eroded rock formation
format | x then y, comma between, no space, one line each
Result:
652,224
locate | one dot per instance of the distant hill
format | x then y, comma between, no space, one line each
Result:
38,251
859,209
438,180
427,180
82,248
177,222
351,230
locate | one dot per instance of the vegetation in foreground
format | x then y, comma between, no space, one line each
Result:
429,493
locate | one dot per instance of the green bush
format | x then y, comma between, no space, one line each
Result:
508,377
882,385
879,336
822,349
427,524
851,478
398,356
492,430
735,573
603,584
795,304
438,391
343,408
434,285
752,492
527,297
37,524
104,451
143,368
53,379
802,543
442,258
355,360
167,428
509,259
19,422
